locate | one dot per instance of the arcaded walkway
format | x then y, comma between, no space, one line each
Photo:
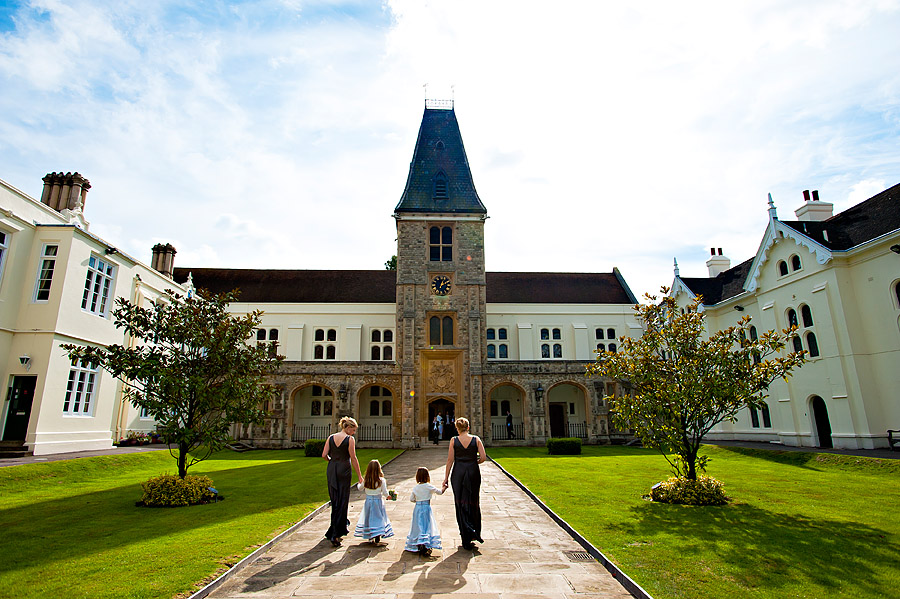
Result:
524,554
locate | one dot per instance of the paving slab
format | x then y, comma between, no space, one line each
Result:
524,553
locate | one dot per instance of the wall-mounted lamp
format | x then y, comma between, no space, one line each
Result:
25,360
895,248
739,308
538,392
111,250
342,392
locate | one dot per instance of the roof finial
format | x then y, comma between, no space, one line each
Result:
425,92
773,214
677,273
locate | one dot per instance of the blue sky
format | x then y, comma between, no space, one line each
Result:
278,133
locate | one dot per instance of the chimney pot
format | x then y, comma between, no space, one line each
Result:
712,251
163,260
805,195
720,251
815,195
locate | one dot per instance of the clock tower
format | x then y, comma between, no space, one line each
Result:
440,282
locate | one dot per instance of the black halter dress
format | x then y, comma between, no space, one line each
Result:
466,481
339,477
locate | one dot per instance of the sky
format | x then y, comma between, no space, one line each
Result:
278,133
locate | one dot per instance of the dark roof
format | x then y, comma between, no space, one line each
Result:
297,286
379,286
555,288
724,285
867,220
440,153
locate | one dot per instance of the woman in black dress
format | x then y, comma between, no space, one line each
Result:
340,451
466,452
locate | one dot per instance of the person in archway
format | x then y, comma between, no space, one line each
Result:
509,426
340,452
435,427
462,470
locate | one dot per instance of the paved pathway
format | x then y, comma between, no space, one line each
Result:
524,554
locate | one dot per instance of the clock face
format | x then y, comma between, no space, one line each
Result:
440,285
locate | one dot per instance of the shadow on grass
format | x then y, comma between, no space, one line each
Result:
773,550
804,459
55,530
588,451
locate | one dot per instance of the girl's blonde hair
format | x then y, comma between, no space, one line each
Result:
348,421
373,476
462,425
422,475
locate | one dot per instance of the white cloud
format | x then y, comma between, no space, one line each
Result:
599,134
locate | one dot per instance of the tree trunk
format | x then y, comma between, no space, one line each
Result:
690,459
182,460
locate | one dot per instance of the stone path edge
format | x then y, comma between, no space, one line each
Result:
212,586
627,583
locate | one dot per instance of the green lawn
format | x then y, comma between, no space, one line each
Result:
801,524
71,529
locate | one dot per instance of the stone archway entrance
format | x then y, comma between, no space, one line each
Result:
447,410
822,424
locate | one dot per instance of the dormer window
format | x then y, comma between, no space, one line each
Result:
440,186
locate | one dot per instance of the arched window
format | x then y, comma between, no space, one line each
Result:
795,262
792,318
315,408
491,351
447,331
557,350
545,334
376,352
375,391
320,334
386,407
490,333
318,352
753,334
388,353
754,417
798,345
329,352
812,345
493,407
610,333
440,330
782,268
332,335
504,407
504,352
557,334
612,348
767,418
376,336
501,334
806,315
273,334
897,293
374,407
388,336
545,350
601,347
598,333
261,335
327,408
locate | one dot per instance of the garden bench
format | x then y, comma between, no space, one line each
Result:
893,438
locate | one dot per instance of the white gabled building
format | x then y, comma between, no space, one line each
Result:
58,283
837,278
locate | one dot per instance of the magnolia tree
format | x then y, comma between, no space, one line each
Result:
188,364
682,381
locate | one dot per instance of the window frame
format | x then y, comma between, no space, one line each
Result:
5,241
442,320
45,257
325,343
443,246
83,381
104,276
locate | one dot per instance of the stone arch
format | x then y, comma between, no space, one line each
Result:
313,410
568,409
506,394
377,410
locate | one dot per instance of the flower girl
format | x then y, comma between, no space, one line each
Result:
424,534
373,521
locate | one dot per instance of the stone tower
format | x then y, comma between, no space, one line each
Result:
440,282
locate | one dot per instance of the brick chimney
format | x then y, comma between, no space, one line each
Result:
163,260
813,209
717,262
65,191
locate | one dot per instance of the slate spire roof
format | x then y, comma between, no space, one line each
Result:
439,176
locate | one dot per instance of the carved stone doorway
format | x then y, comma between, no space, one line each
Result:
447,411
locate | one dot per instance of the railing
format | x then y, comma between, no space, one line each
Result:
302,432
578,429
499,432
375,432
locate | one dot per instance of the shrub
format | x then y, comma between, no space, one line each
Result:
704,491
170,491
314,447
564,446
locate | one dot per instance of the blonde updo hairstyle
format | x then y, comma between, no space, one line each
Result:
347,421
462,425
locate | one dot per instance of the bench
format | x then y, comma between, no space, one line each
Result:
893,439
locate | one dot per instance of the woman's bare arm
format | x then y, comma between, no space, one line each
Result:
450,458
482,454
353,459
325,449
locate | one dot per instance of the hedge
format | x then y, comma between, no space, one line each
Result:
564,446
314,447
